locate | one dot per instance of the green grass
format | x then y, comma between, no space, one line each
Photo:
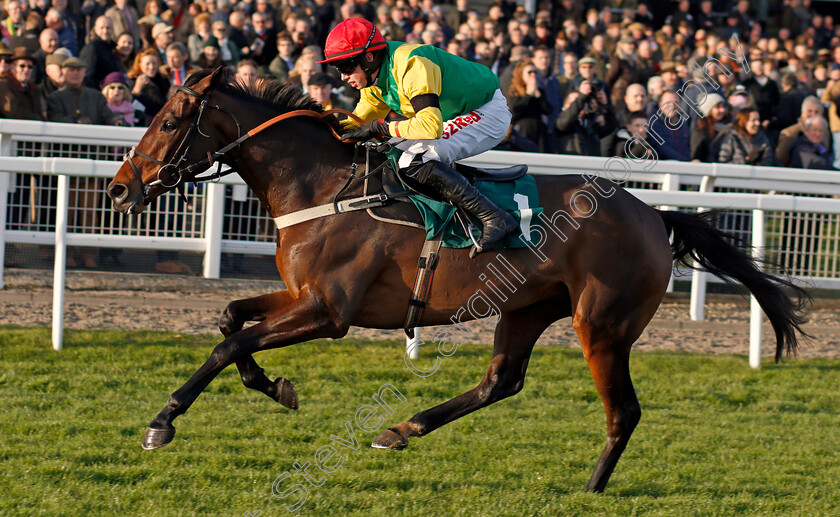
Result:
716,438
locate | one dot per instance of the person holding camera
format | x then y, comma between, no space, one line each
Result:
587,117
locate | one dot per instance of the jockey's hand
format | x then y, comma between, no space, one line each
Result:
375,129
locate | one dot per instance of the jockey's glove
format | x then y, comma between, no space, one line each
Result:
375,129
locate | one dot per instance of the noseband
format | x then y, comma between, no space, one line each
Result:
172,174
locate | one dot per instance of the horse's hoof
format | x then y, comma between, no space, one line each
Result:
390,440
157,438
286,393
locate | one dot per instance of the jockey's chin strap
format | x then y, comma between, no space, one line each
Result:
174,175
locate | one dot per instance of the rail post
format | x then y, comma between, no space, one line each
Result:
699,279
756,314
213,229
60,261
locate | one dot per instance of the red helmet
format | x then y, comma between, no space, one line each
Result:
351,38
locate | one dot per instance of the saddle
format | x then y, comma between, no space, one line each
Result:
404,213
387,185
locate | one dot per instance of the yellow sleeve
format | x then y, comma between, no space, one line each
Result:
369,108
420,77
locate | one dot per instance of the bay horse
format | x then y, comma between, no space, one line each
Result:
604,259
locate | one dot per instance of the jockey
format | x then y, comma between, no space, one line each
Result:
454,109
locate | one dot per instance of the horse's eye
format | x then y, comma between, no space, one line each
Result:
167,126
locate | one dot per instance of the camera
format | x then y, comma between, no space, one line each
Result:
597,85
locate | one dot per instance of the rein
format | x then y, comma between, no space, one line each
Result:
172,174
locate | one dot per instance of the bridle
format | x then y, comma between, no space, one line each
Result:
174,174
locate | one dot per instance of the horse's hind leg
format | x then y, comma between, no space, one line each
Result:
607,330
232,320
516,334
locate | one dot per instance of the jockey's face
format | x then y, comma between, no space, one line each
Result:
356,78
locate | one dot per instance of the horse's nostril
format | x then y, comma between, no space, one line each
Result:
117,191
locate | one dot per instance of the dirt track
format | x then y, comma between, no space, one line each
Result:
192,305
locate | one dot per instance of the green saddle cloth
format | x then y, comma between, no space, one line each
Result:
518,197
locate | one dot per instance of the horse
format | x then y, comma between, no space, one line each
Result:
604,259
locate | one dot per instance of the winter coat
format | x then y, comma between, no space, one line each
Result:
70,104
582,136
740,149
99,59
807,155
19,102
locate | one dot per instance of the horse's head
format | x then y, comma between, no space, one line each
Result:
173,150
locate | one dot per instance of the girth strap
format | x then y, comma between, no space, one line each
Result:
339,207
426,266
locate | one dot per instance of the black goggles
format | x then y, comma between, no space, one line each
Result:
346,66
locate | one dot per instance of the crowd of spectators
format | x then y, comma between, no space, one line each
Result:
585,77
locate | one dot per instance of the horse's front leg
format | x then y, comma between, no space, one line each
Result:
232,320
306,317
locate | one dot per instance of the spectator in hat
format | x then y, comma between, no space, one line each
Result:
705,139
747,143
282,65
76,103
810,107
161,38
320,88
98,55
117,93
210,54
54,79
808,150
19,97
150,86
587,72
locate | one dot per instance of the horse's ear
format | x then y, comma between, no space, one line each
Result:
216,77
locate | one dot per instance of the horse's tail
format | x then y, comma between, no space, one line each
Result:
782,301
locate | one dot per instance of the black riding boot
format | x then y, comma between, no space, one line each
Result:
452,187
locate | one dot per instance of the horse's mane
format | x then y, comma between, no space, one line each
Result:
268,91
